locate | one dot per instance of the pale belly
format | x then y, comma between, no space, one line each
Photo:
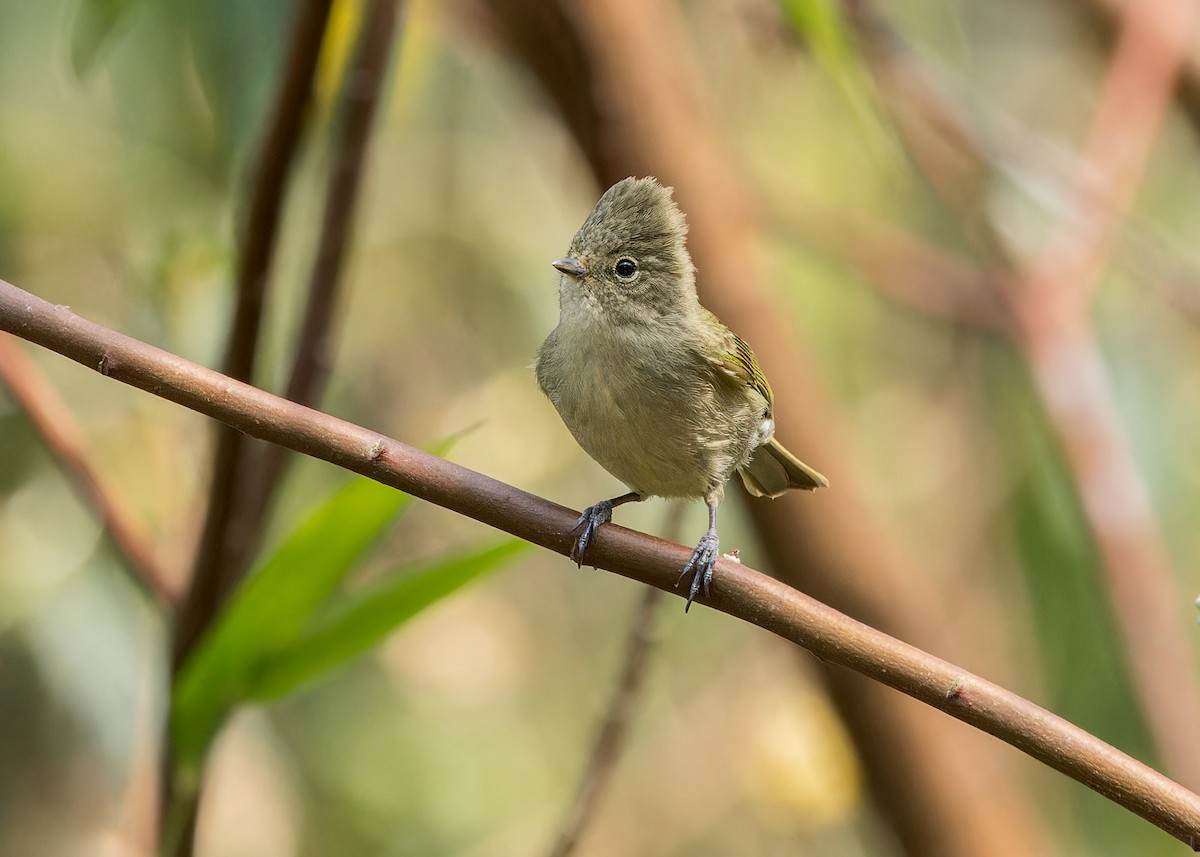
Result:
662,429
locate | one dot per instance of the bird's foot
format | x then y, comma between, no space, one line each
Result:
700,566
592,517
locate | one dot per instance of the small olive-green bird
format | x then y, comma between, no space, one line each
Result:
653,387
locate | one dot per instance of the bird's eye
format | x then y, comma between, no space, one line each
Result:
625,269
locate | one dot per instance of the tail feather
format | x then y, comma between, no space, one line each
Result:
773,471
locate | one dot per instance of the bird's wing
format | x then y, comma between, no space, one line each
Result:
735,360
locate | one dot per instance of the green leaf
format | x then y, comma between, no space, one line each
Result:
366,618
95,23
820,23
268,612
238,52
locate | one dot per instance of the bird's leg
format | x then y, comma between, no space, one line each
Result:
704,557
594,516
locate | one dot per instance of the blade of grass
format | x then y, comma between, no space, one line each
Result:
278,598
268,612
363,620
95,24
822,25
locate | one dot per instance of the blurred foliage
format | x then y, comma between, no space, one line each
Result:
127,132
823,27
95,23
267,614
363,619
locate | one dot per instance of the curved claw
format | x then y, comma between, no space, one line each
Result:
592,517
700,566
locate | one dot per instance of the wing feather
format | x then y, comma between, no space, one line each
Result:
736,361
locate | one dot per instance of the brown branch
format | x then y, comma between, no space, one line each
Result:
359,99
1154,266
1105,16
947,149
1048,297
607,747
737,589
901,266
547,40
256,247
1152,45
65,438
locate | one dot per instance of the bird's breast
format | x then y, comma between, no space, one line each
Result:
641,403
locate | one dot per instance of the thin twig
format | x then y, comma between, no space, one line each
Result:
607,747
65,438
256,247
737,589
361,91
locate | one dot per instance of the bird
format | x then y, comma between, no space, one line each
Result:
650,383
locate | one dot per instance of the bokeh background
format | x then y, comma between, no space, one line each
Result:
899,184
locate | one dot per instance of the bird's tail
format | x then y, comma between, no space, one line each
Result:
773,470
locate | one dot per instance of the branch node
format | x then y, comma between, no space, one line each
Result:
955,692
378,449
105,364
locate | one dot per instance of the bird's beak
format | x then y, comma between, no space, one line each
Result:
570,266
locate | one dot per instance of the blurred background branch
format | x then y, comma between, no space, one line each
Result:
67,441
901,266
220,558
610,740
248,474
359,99
1049,295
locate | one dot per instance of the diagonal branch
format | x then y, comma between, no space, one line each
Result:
737,590
64,437
1106,15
